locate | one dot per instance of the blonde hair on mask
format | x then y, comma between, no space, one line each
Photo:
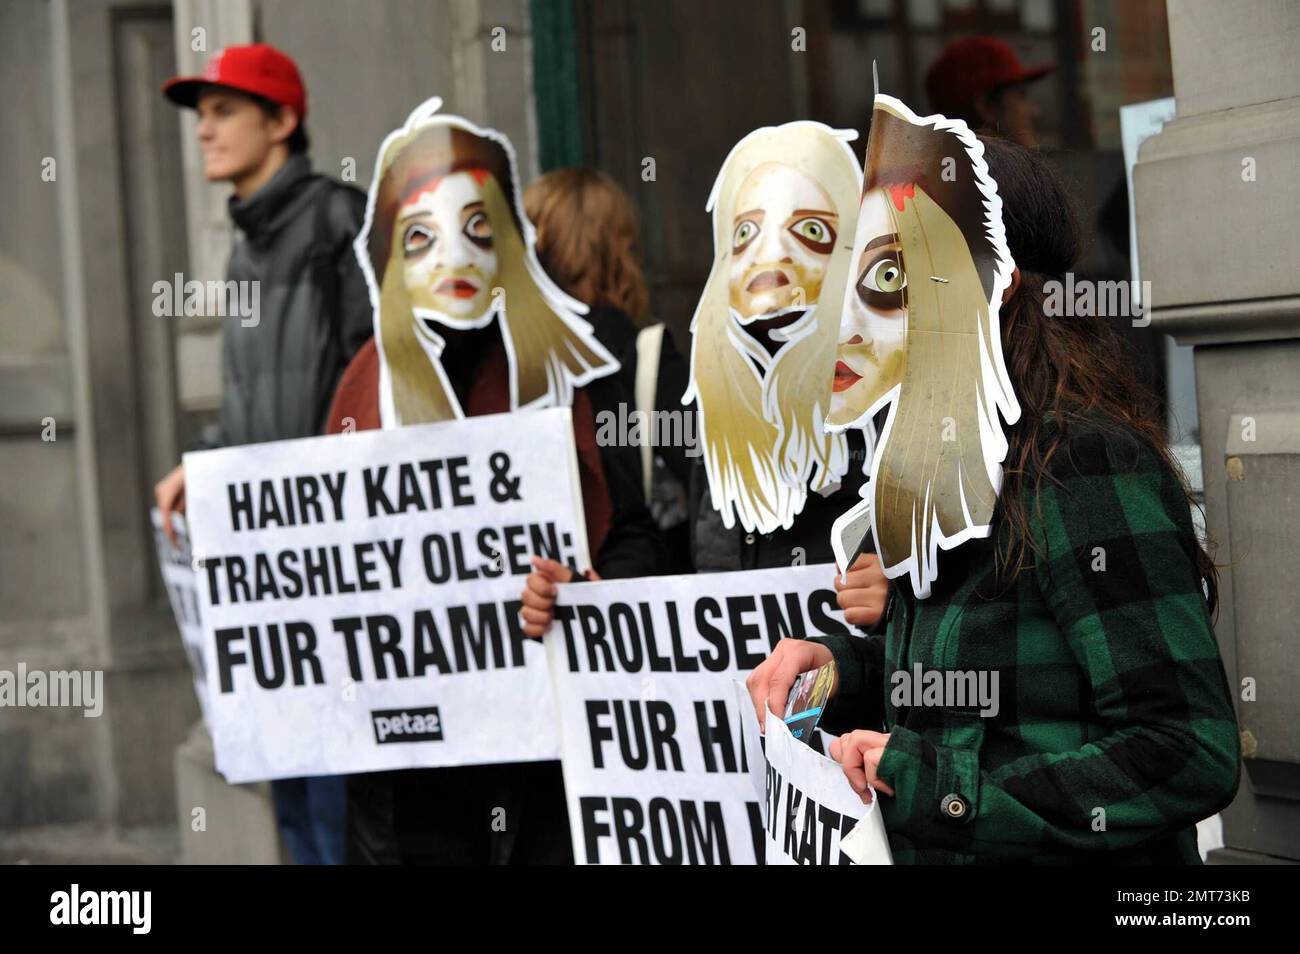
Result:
761,418
544,352
933,447
938,468
550,348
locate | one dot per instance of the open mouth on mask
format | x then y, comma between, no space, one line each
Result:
765,330
768,280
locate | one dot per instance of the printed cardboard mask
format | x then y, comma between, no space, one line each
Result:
446,245
762,348
919,333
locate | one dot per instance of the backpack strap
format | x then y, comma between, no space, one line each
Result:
649,344
324,238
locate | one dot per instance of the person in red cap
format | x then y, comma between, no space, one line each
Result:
980,79
311,313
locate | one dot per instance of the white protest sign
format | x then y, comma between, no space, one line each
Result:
361,594
655,769
810,810
177,566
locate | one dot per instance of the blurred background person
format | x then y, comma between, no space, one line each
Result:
589,242
280,367
981,80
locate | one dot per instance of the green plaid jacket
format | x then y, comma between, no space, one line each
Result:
1115,731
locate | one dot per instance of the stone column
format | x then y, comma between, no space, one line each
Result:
1217,194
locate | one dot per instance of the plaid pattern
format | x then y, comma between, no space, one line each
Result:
1112,692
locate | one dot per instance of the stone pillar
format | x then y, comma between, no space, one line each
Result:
87,410
1217,194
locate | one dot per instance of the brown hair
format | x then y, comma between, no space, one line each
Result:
437,150
588,239
1066,371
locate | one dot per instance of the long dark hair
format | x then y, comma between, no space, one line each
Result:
1071,369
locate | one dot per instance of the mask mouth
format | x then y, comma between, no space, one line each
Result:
845,377
764,330
856,358
457,288
456,341
768,280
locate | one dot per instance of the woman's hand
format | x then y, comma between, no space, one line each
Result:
859,755
540,590
863,592
769,684
170,496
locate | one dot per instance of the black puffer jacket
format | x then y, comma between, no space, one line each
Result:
280,368
716,549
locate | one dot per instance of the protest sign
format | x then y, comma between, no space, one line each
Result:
655,768
810,811
176,563
361,593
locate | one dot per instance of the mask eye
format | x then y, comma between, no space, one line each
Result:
417,240
885,275
883,283
479,230
745,233
815,233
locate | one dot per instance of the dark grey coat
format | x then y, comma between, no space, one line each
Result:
314,314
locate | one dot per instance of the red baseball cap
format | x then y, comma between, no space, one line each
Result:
971,66
256,68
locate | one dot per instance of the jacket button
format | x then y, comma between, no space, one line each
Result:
749,538
954,806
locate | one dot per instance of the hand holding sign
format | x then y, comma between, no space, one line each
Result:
769,684
863,591
170,496
859,754
540,592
